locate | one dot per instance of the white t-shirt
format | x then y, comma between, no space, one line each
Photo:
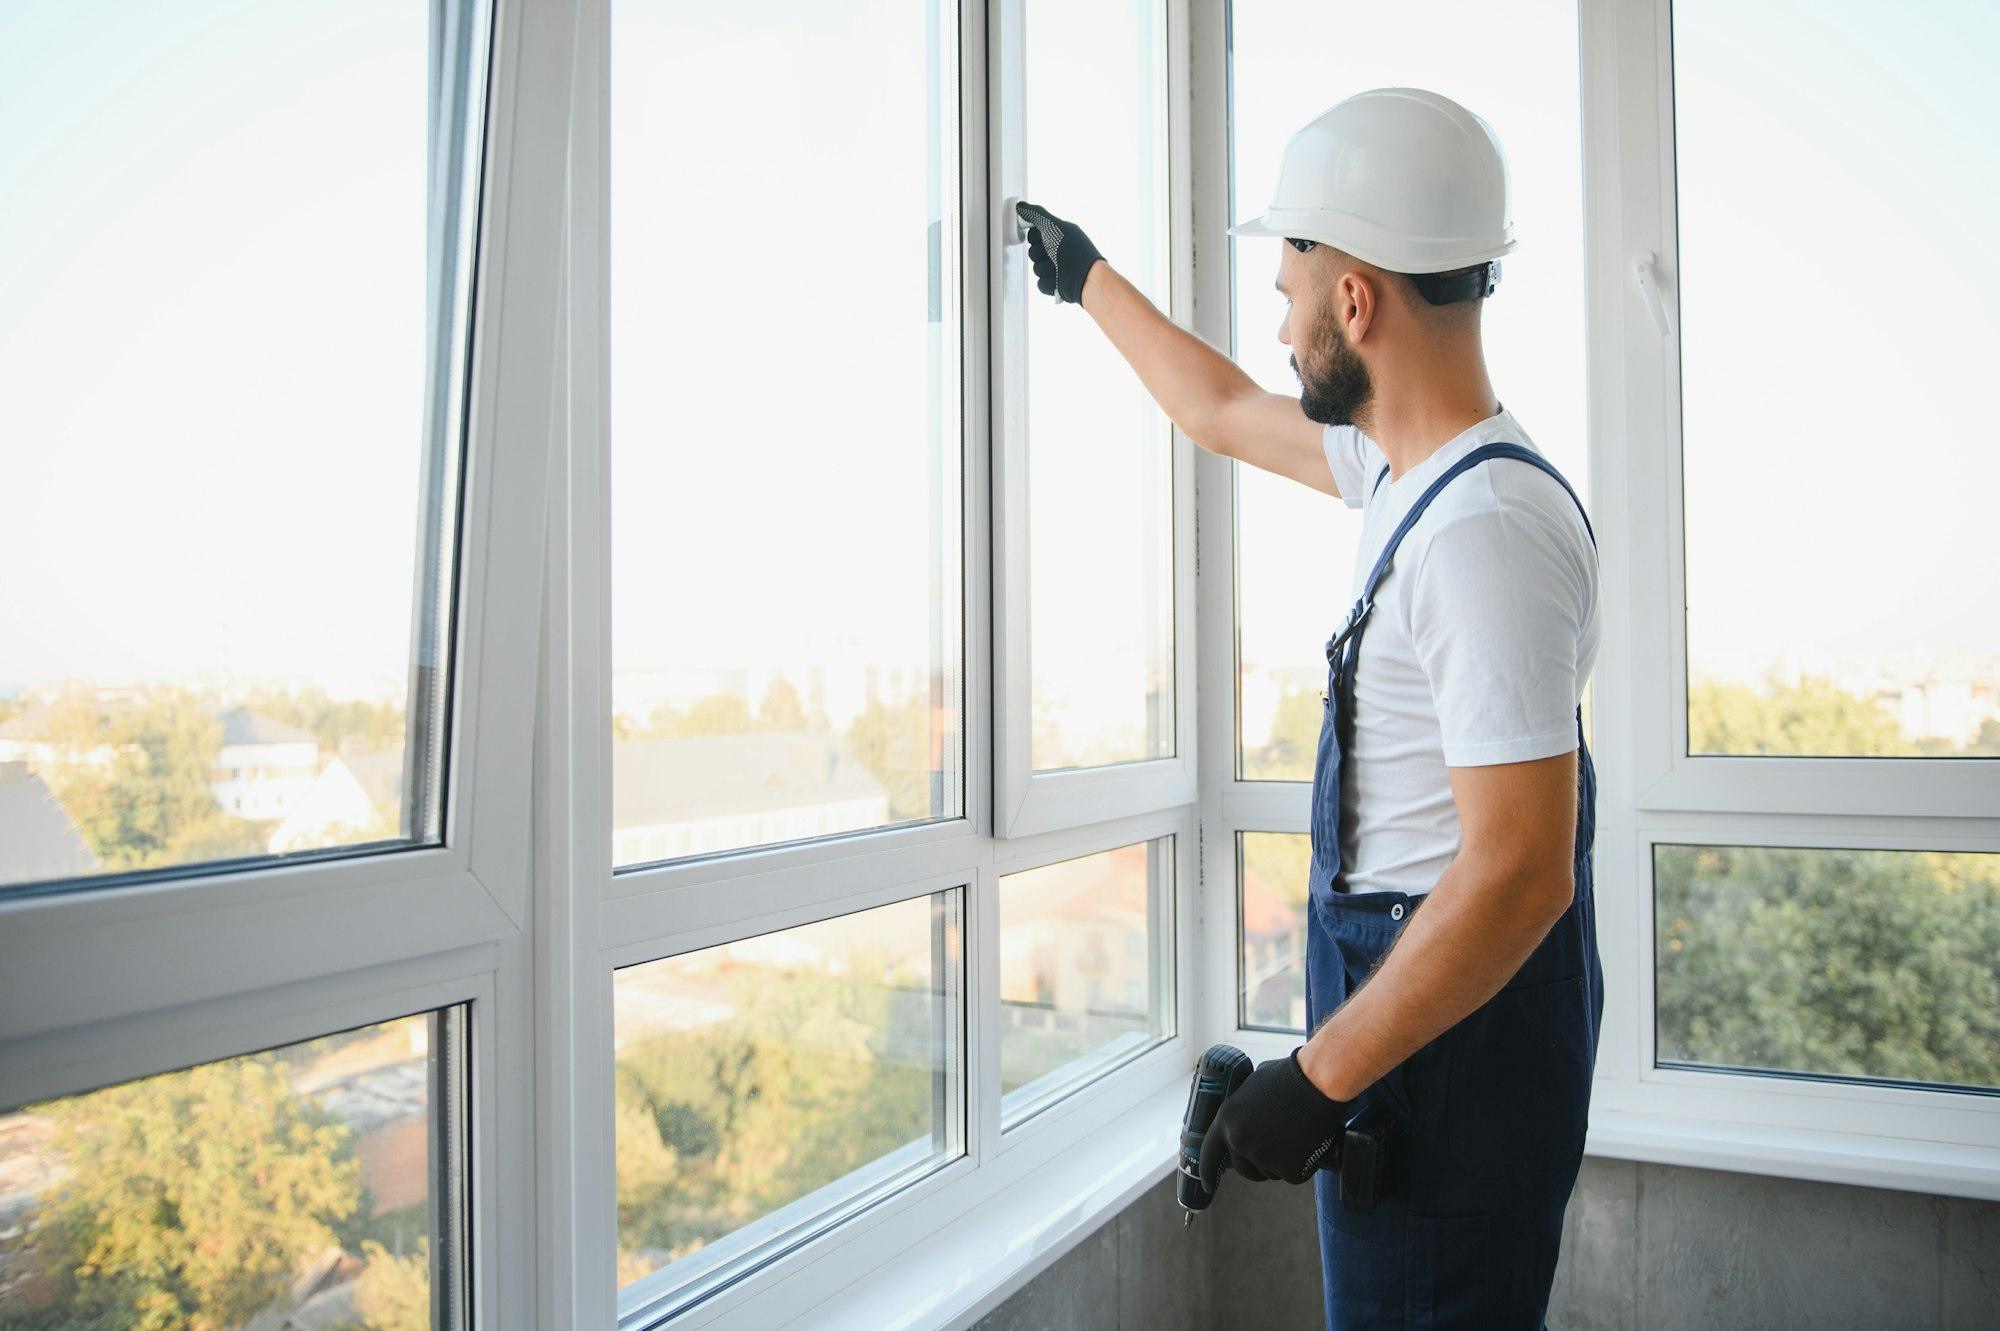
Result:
1483,634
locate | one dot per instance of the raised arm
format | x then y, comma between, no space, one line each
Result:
1201,390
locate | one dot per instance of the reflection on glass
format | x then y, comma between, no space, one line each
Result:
1083,983
1515,65
766,1085
1841,567
1878,964
788,649
1271,885
1100,472
229,484
291,1188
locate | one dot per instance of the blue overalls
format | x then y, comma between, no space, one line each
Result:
1491,1114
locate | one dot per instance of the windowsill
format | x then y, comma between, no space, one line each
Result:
969,1267
1802,1153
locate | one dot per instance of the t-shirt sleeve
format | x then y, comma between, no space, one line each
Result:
1354,460
1497,612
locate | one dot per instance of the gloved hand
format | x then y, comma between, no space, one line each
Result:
1059,252
1277,1125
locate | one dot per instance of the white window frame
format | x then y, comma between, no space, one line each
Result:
1028,801
1650,792
1012,1200
106,984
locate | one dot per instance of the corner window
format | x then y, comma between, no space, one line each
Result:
233,277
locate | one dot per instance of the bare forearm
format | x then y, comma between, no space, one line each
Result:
1468,939
1189,378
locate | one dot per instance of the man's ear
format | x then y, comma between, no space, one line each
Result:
1356,301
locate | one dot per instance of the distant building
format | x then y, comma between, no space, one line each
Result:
356,797
265,768
38,841
700,793
336,811
1948,709
25,738
1274,952
1075,940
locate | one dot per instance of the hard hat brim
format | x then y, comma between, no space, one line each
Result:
1372,243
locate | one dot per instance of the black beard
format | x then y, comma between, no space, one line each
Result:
1338,393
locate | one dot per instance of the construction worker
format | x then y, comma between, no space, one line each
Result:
1452,975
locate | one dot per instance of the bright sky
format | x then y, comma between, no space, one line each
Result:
774,404
1839,180
211,337
212,305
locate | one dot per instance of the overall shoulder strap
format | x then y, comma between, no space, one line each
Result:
1498,449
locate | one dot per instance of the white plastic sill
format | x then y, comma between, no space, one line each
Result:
969,1267
1907,1164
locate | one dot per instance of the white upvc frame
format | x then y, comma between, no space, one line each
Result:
1028,801
592,918
1634,284
102,985
1651,791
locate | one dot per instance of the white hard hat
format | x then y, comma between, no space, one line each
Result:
1403,178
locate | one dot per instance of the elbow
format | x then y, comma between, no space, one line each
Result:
1547,893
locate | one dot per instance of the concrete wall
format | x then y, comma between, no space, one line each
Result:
1646,1246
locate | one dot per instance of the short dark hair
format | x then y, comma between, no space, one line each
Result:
1473,282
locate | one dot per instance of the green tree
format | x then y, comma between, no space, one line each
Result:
721,1125
190,1200
1814,718
154,806
1845,962
894,742
1293,746
712,714
374,723
394,1293
781,709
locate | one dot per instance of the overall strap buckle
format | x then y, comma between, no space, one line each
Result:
1356,616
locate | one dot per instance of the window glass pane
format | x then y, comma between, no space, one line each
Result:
1085,970
316,1185
1877,964
1100,472
1515,65
787,600
1271,887
230,476
1828,614
769,1087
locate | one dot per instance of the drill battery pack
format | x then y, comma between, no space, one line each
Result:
1366,1154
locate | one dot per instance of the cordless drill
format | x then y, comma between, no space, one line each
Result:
1221,1070
1361,1156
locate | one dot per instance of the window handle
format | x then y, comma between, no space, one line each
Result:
1646,270
1012,228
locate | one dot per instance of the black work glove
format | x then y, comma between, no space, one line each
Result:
1277,1125
1059,251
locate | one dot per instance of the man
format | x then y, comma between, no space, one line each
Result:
1452,984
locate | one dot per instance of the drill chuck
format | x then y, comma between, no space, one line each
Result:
1221,1070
